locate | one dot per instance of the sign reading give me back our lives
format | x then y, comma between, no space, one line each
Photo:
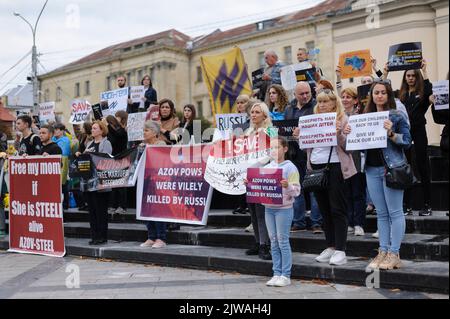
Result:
367,131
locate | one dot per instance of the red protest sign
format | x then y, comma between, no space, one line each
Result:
36,213
264,186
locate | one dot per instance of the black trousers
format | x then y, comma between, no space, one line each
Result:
257,213
333,206
98,214
421,162
118,198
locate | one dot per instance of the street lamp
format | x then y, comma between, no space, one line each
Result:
33,58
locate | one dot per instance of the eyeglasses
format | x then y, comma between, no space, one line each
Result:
326,91
381,81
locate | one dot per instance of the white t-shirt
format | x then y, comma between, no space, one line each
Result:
319,155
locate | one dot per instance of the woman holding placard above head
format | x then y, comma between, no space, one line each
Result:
259,121
331,198
415,93
169,121
381,165
98,200
156,230
277,102
355,187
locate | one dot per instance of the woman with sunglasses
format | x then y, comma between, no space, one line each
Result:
332,201
391,220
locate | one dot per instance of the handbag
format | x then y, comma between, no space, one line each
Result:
317,180
400,177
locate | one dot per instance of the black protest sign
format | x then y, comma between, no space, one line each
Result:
405,56
257,79
286,128
363,94
97,110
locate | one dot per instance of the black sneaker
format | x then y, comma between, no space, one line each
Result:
264,252
252,251
371,210
426,211
297,228
237,211
408,212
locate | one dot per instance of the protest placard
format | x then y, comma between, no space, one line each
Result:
363,94
257,80
36,212
288,76
227,122
440,92
153,113
229,159
135,126
367,132
80,110
405,56
264,186
47,111
171,187
318,130
137,93
286,128
117,100
354,64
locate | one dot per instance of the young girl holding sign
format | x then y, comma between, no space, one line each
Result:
279,217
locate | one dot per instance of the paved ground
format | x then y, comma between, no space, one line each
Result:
29,276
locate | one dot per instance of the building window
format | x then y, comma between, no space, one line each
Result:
129,82
288,55
108,83
87,88
58,94
199,74
140,76
46,95
200,108
77,89
261,60
260,26
310,45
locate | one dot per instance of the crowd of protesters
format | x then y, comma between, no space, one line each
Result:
335,211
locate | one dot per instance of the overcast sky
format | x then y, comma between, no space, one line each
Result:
71,29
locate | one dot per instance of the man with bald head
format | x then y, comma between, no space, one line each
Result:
302,105
271,72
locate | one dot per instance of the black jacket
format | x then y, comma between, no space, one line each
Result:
418,107
151,96
51,149
118,139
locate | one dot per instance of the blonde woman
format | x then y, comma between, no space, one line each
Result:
259,121
332,201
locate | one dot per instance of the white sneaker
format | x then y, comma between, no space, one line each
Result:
325,256
376,235
282,282
359,231
111,210
249,229
120,210
148,243
350,229
272,281
339,258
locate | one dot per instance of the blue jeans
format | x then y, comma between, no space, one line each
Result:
300,211
389,204
156,230
278,222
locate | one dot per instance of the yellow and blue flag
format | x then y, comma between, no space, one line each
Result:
227,77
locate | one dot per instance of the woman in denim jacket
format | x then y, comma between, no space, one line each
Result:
388,201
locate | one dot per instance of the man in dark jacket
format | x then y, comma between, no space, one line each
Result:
302,105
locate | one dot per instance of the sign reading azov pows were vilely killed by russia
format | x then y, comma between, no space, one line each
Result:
36,212
171,186
367,131
264,186
318,130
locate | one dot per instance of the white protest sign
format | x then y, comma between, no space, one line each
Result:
318,130
368,131
136,95
440,91
80,111
117,100
135,126
288,77
226,122
47,111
